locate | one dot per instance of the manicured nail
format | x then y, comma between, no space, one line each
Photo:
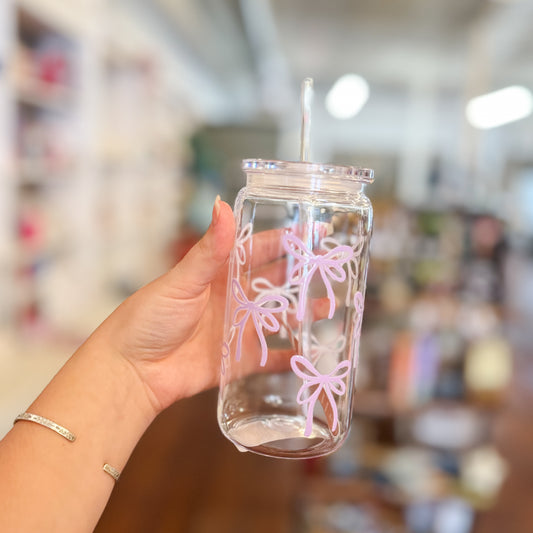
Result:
216,210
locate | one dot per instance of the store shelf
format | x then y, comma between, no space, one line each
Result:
42,173
93,184
46,96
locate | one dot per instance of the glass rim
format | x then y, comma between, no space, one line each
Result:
354,173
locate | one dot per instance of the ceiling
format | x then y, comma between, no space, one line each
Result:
422,58
251,47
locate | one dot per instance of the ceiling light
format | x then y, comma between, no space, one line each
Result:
347,96
499,107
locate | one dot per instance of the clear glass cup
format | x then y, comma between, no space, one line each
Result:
296,286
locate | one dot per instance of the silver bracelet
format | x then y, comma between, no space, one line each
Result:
30,417
64,432
113,472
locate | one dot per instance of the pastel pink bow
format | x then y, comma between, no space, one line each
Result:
225,355
329,243
359,304
314,383
243,237
307,263
262,317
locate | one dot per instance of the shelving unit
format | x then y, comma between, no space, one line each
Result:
44,83
91,175
432,375
140,168
6,167
90,146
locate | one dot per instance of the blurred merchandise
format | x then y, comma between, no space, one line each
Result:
450,427
447,516
332,506
483,471
96,167
488,368
434,324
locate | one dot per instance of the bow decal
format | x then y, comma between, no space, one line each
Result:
241,242
262,313
307,264
314,383
359,304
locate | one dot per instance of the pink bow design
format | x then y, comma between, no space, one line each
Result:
307,263
329,243
359,304
240,241
335,347
225,355
262,317
329,383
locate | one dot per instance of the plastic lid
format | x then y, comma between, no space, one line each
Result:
365,175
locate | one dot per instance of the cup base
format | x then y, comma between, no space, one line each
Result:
281,435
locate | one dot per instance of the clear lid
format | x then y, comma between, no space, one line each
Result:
355,174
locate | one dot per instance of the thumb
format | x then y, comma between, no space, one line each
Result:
203,261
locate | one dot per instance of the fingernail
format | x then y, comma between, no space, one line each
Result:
216,210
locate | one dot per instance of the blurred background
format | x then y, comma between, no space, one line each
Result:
120,121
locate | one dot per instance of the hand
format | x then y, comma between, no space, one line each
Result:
171,329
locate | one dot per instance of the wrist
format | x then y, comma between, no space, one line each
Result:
122,381
100,398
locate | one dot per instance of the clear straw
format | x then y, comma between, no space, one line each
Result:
306,99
